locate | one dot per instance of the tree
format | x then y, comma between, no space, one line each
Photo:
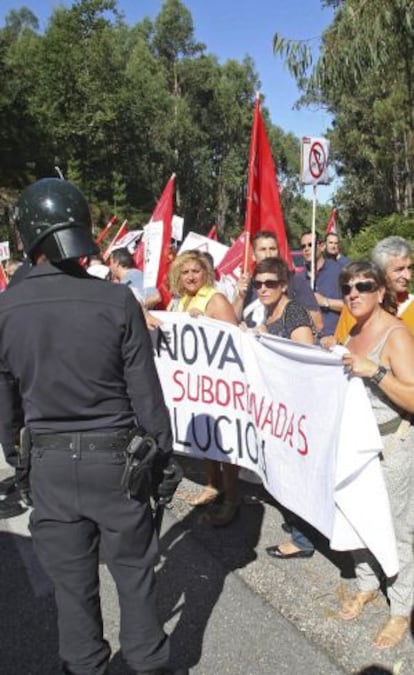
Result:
119,108
19,130
377,229
364,75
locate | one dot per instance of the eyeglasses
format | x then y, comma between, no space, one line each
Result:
361,287
303,246
268,283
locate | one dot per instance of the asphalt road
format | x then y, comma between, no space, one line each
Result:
229,608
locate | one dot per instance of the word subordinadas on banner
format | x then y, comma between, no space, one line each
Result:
270,405
225,402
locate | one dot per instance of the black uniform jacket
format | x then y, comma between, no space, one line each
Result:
79,350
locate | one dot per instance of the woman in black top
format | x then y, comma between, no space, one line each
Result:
288,319
283,317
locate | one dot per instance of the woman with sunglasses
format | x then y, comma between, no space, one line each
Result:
285,318
381,351
192,282
288,319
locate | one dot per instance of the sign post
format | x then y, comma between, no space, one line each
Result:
312,270
314,171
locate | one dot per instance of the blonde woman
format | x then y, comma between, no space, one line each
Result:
192,283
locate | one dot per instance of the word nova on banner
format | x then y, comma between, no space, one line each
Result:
314,161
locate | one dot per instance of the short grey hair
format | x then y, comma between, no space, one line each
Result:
391,247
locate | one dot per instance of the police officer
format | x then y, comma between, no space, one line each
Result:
80,352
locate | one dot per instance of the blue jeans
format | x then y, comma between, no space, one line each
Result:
301,541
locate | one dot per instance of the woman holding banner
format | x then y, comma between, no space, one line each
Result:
288,319
381,351
283,317
192,283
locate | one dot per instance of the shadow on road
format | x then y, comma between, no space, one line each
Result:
31,640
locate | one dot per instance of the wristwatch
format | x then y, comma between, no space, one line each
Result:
379,374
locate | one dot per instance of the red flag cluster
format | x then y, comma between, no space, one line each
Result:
263,212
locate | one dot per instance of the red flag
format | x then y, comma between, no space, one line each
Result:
3,278
234,258
164,211
212,234
331,226
106,229
264,208
121,233
230,268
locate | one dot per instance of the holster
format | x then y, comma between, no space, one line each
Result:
141,453
23,465
23,454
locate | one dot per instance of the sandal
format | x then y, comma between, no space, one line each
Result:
207,496
352,608
392,633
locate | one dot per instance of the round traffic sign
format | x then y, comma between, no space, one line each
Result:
317,160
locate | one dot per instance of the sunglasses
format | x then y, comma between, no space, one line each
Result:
269,283
361,287
309,245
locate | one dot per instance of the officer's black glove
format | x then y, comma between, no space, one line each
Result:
170,477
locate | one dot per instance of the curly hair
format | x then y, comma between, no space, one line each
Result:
174,276
371,271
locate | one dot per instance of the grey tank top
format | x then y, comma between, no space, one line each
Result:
387,414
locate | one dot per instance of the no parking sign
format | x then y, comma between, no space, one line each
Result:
314,161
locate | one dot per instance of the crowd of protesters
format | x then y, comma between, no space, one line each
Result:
368,297
366,306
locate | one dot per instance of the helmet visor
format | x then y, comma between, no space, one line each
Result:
67,243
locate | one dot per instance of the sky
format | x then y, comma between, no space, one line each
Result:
234,29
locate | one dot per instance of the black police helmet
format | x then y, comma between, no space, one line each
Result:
53,217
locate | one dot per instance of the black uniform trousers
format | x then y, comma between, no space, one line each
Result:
79,508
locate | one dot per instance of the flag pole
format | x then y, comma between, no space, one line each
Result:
119,234
312,271
106,229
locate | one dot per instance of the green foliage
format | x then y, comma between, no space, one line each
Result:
174,32
377,229
119,195
74,173
119,108
364,76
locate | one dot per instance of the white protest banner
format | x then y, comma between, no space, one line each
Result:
285,411
128,241
199,242
153,234
314,161
4,250
177,228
